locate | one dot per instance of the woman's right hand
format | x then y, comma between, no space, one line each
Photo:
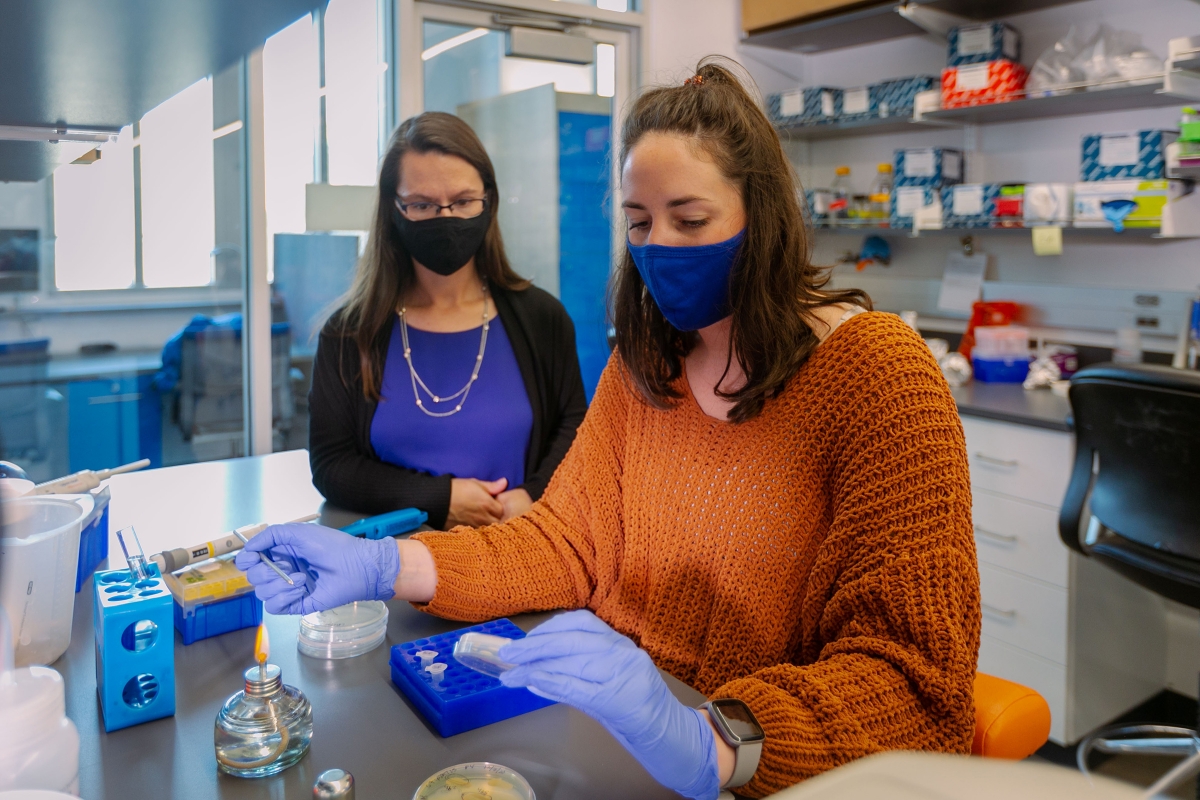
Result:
473,502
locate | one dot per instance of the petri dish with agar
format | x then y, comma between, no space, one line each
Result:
480,652
474,781
343,632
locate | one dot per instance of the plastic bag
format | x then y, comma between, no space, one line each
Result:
1096,55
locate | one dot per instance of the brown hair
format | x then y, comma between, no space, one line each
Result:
385,272
773,287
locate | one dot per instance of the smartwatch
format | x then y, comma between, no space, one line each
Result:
736,723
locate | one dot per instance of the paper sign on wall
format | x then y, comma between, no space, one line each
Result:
962,282
1047,240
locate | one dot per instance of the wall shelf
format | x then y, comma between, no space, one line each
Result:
1139,234
864,127
1082,101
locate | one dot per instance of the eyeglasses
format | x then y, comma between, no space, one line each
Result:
466,208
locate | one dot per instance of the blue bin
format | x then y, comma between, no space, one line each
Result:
1001,370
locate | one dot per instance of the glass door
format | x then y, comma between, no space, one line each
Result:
543,96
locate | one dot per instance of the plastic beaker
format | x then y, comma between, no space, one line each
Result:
39,556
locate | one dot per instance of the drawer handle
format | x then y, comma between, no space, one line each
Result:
1011,615
997,462
999,538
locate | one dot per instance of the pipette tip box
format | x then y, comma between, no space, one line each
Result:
135,649
465,699
212,598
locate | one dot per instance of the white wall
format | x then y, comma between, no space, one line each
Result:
681,32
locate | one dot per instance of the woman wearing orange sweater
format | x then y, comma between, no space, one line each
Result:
768,497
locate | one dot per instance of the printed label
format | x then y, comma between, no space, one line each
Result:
791,104
968,201
919,163
909,200
975,40
973,77
1118,149
855,101
826,104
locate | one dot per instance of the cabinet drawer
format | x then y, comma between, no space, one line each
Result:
1024,613
1020,461
1046,678
1019,536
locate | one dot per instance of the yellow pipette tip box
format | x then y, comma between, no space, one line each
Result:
209,581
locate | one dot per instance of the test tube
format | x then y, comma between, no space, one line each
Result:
427,657
435,675
133,553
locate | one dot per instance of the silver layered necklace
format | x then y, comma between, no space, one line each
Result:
461,394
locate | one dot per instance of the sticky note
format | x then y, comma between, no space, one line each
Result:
1047,240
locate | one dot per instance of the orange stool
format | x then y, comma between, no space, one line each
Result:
1011,721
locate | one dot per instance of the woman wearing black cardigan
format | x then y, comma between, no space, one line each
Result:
445,382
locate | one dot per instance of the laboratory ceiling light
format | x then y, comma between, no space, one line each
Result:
454,42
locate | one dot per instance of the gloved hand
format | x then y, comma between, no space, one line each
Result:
330,568
576,659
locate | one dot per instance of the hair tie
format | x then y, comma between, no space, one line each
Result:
695,80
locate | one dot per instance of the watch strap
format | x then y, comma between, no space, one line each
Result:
746,757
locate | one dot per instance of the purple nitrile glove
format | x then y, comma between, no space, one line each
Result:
330,568
576,659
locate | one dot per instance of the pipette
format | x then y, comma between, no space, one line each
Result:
134,556
86,479
177,559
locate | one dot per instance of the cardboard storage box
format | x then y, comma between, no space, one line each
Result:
1010,206
975,44
857,104
897,97
928,166
1130,154
1048,203
810,106
1150,198
981,84
969,205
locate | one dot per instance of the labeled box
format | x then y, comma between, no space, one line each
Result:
1048,203
1010,206
981,84
910,203
976,44
856,105
810,106
1130,154
928,166
898,97
1129,204
969,205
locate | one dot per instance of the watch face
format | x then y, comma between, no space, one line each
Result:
739,721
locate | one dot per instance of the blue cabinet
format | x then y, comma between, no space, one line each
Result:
112,421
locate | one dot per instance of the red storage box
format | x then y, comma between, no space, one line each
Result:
980,84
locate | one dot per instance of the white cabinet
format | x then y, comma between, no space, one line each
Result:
1089,641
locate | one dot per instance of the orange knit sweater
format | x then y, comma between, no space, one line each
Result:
816,562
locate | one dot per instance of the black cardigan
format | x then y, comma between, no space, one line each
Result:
346,469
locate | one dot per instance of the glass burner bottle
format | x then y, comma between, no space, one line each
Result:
264,729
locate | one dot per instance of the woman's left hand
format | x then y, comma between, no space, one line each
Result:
516,502
576,659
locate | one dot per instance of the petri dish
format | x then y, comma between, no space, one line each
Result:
343,632
479,651
477,779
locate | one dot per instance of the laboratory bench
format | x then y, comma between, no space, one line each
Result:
1012,403
362,723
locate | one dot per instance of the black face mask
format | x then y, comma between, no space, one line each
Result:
443,244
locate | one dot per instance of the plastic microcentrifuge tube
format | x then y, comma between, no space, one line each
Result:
480,652
134,556
427,657
435,674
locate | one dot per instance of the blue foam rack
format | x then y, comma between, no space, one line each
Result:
466,699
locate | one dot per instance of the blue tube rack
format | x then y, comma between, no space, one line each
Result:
135,648
466,699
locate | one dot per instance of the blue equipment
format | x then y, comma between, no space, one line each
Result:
393,523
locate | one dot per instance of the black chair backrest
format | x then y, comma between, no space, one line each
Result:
1140,424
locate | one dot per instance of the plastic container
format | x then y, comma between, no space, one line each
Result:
343,632
214,619
212,598
481,652
39,556
93,538
1001,341
880,195
465,699
263,729
477,779
1010,369
39,745
839,204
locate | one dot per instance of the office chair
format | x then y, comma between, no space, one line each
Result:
1011,721
1134,483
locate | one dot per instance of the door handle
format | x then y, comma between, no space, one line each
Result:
1010,615
999,538
996,462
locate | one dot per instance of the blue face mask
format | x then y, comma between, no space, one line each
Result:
689,284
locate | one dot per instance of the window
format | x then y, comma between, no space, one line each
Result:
354,97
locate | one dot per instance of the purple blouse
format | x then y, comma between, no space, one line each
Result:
487,440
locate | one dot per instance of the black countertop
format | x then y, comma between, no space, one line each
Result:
1010,402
